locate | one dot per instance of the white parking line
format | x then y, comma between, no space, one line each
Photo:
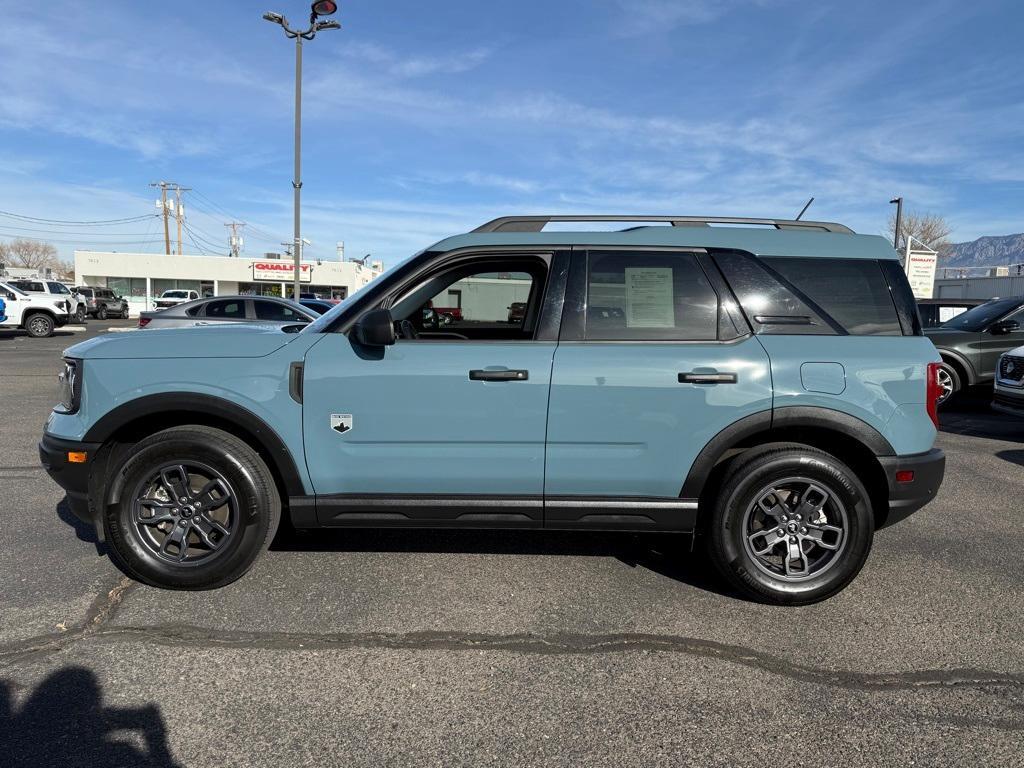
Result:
120,330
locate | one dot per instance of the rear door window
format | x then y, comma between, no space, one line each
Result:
226,309
271,310
649,296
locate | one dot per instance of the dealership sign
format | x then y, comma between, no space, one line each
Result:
281,271
920,265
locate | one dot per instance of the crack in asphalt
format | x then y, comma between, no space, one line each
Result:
101,610
181,635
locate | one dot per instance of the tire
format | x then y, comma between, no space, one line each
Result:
124,314
951,383
739,526
101,313
80,314
145,538
39,325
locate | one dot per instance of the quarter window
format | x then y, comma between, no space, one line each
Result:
853,291
649,296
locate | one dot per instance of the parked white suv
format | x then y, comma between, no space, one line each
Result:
76,302
174,297
1009,394
36,313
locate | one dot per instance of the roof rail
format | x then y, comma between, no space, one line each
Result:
537,223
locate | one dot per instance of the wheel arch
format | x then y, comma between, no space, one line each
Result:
125,425
961,364
851,440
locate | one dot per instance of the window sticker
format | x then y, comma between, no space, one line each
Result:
649,299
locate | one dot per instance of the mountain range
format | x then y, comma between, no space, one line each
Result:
988,251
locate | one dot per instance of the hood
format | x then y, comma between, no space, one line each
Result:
237,340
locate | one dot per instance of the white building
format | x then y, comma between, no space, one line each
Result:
140,277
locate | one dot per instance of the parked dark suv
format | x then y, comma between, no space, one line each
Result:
971,343
102,303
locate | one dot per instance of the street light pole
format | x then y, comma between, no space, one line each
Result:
898,202
297,180
317,9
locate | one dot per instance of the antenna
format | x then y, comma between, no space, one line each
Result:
804,209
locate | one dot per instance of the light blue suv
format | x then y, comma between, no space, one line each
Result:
760,384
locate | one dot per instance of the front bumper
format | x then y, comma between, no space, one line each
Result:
907,497
73,478
1006,400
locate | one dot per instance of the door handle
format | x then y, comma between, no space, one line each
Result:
499,375
707,378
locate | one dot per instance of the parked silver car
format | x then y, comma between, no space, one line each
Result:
217,310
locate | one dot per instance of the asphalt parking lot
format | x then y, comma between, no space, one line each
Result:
437,648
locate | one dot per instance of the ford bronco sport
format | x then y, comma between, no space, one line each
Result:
764,387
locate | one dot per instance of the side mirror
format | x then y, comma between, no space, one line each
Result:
1004,327
375,329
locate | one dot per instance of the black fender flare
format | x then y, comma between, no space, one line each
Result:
208,405
786,417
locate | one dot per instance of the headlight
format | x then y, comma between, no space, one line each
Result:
69,387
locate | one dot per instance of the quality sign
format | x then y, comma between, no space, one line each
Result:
280,271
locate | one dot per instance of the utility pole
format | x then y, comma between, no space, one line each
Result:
163,208
179,210
166,205
235,240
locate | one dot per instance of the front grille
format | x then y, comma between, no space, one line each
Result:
1011,368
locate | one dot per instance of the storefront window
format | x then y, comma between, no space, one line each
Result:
259,289
129,287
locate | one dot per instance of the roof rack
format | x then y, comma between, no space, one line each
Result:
537,223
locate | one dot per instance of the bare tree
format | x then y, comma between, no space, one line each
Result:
30,254
929,228
64,270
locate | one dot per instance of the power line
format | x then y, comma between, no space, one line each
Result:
65,222
225,212
72,232
79,241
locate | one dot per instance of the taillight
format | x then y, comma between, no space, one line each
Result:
933,391
144,321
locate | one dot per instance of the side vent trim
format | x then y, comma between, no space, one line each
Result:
295,382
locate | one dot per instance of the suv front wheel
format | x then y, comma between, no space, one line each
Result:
197,506
791,525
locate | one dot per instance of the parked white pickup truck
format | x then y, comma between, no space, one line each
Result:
36,313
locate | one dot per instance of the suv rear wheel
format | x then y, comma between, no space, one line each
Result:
197,506
791,525
39,325
101,313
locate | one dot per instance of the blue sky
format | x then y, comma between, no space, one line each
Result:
425,119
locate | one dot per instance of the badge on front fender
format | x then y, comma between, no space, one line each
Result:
341,422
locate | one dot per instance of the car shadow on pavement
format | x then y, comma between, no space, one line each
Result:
1014,457
83,530
971,415
669,555
63,722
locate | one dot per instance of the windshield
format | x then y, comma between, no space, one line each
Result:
980,317
58,288
175,295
